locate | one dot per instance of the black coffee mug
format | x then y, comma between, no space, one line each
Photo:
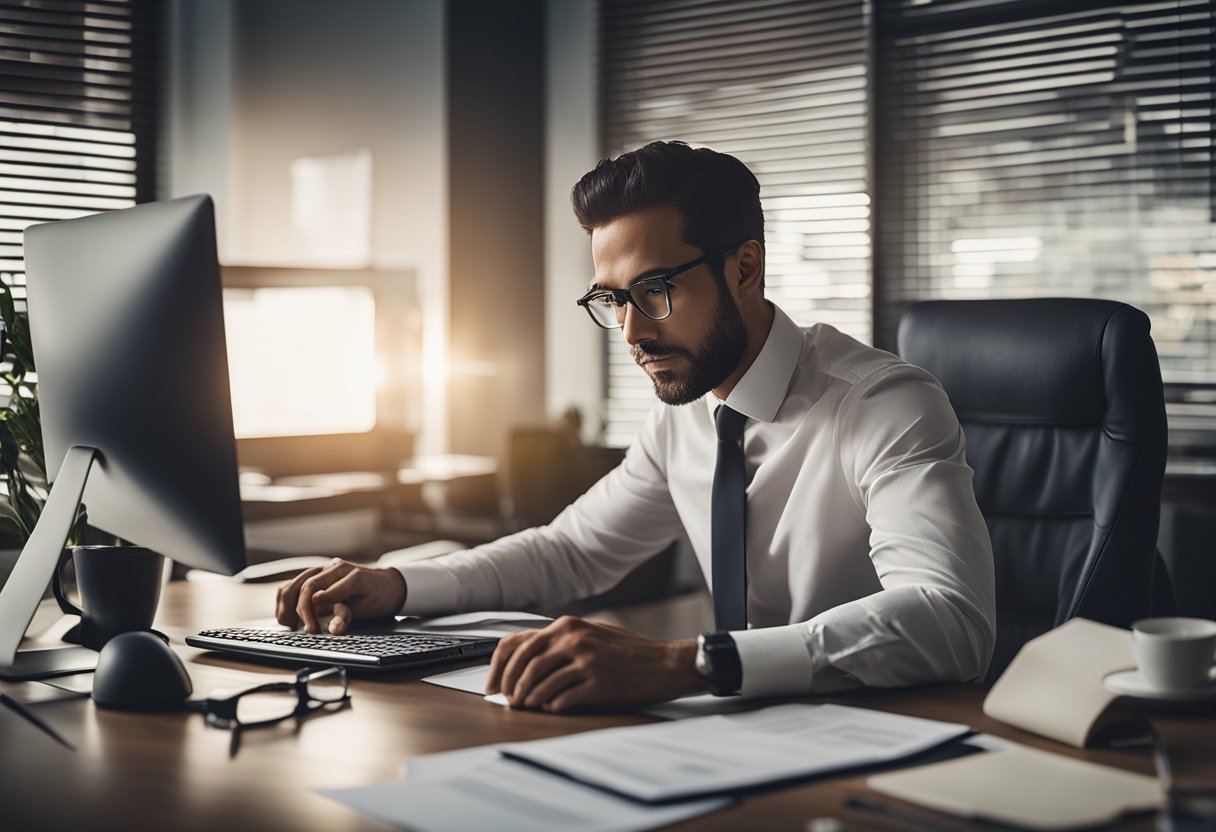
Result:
119,589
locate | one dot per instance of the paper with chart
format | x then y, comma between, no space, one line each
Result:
479,789
715,754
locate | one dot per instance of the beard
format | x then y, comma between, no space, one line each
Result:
714,360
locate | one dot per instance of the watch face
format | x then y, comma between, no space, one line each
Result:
718,663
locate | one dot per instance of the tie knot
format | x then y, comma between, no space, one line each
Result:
729,423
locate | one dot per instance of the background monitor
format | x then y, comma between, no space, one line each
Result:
127,323
302,360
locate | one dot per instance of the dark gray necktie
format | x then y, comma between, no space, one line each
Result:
728,523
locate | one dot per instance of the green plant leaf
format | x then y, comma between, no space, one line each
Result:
79,526
9,528
27,504
11,520
17,329
8,309
22,457
9,446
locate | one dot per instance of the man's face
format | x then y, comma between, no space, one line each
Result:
702,342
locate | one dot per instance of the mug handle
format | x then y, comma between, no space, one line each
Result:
61,597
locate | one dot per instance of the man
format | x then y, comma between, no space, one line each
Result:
861,558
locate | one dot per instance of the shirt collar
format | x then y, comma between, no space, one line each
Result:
760,392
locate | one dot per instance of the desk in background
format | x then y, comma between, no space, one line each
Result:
361,514
170,771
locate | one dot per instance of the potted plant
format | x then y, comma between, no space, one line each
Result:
22,461
23,475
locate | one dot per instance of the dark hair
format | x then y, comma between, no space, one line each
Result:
718,197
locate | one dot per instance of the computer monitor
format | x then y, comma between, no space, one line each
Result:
127,323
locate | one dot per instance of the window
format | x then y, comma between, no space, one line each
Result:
1048,149
782,86
77,121
1017,148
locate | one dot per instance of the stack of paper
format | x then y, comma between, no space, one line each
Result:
478,789
720,754
641,777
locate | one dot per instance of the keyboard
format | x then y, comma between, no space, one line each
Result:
370,651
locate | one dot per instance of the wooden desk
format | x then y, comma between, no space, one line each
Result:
170,771
410,482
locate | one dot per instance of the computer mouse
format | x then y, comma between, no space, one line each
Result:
139,672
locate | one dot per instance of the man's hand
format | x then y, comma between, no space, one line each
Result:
574,663
345,590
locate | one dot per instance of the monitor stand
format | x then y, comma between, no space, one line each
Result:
30,665
33,572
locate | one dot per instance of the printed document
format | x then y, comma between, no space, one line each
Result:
714,754
479,789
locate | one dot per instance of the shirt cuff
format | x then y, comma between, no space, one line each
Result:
775,662
430,589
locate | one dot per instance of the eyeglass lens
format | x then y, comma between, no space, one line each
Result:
326,685
313,688
266,706
650,296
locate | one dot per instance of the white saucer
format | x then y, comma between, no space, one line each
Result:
1131,683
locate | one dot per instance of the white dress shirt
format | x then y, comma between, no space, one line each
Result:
868,560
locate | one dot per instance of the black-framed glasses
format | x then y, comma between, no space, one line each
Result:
650,295
314,689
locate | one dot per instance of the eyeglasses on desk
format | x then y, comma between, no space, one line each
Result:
314,690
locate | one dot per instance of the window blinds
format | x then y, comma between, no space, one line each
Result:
780,85
76,113
1049,149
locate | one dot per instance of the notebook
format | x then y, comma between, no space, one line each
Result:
1024,787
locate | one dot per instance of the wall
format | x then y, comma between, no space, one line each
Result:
574,354
495,65
195,146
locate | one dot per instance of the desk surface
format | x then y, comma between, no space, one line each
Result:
152,772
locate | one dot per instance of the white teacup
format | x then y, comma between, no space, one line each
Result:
1174,653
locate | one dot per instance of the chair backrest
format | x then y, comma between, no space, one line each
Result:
550,468
1062,406
543,474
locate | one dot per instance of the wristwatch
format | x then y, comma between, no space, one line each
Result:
718,663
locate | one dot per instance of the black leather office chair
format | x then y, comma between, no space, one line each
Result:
1061,403
549,468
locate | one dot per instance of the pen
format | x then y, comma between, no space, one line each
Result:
38,721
